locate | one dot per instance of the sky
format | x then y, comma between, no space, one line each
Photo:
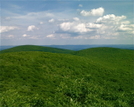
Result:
66,22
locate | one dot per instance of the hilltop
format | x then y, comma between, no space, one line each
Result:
110,57
35,48
90,77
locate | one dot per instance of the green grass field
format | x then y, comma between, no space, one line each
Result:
33,76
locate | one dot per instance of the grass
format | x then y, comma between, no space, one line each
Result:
99,77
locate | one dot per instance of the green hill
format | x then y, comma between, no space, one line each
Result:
111,57
98,77
35,48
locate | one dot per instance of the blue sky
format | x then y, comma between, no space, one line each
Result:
62,22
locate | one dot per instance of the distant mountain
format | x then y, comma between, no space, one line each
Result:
81,47
5,47
34,76
35,48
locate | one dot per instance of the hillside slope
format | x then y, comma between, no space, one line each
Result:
36,79
115,58
35,48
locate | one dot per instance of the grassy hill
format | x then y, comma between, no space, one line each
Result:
35,48
98,77
111,57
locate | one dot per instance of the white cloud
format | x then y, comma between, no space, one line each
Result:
111,18
81,28
125,22
106,27
76,18
65,26
124,27
31,28
25,35
93,25
50,36
74,27
113,25
7,28
80,5
51,20
93,12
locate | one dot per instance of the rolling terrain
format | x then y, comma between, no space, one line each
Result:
35,48
33,76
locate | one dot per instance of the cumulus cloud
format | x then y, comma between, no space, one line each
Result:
65,26
51,20
107,27
114,24
74,27
79,27
125,22
7,28
93,25
31,28
125,27
111,18
93,12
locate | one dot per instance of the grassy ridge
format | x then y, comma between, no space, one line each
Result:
86,78
110,57
35,48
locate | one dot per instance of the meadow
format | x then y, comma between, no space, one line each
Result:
35,76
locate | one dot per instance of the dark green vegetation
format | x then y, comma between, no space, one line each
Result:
97,77
35,48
